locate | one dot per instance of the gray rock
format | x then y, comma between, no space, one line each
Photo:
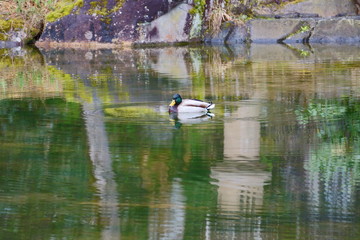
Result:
171,27
230,33
239,34
300,37
292,30
221,36
336,30
323,8
280,30
297,15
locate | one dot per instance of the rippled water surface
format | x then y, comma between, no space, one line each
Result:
89,151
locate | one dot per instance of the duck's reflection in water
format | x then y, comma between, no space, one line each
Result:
189,118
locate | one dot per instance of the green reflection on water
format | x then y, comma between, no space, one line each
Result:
45,170
88,150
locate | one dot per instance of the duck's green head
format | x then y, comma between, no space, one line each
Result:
176,100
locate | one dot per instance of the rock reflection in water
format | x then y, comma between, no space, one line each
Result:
240,177
103,171
168,222
171,62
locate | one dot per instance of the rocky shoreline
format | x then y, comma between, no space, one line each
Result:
162,22
340,30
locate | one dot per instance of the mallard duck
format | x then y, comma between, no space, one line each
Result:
179,105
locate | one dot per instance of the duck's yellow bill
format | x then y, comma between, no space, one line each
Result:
172,103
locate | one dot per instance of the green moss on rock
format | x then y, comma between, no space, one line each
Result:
11,24
119,4
3,37
4,25
64,8
199,7
100,7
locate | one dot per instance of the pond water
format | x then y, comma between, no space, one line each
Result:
89,151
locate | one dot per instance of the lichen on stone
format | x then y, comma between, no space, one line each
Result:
195,30
98,8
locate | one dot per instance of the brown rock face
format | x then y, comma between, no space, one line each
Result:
121,25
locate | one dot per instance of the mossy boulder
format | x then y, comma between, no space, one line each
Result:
107,21
62,9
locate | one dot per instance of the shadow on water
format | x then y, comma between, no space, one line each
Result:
89,150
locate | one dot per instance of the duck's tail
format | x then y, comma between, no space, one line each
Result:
211,106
